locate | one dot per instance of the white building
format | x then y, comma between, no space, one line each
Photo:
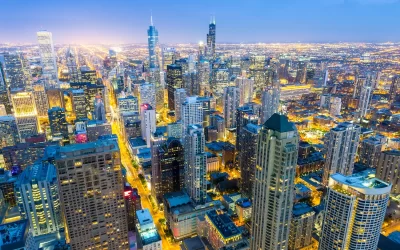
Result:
148,122
341,147
192,112
270,103
274,183
195,163
48,58
231,99
355,208
335,106
180,98
246,89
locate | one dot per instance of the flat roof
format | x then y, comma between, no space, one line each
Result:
144,216
223,223
13,234
364,182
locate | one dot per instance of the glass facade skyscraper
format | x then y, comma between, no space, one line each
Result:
48,59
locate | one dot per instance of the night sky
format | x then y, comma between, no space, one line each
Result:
126,21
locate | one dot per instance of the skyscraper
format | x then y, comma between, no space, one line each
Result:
231,100
211,38
25,114
341,147
154,50
48,58
13,68
370,150
245,115
38,200
247,157
270,102
41,102
174,81
180,98
169,55
365,100
394,89
246,89
99,110
274,183
147,94
91,192
58,122
148,122
203,75
171,167
355,208
79,103
387,168
8,131
3,85
195,164
128,104
72,66
191,112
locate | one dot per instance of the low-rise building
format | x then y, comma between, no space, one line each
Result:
181,213
243,209
148,239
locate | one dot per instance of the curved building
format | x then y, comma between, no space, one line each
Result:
354,212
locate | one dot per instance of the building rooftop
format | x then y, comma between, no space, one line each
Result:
301,208
193,243
13,235
279,123
175,199
87,148
364,182
344,126
137,142
243,202
7,118
144,216
223,223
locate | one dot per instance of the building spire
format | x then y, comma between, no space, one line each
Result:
151,17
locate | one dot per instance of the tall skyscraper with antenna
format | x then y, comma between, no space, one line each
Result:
211,38
154,63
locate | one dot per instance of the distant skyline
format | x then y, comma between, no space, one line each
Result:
178,21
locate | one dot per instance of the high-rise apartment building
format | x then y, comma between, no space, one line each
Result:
335,106
245,115
148,122
231,100
174,81
274,183
192,112
387,168
270,102
246,89
58,122
195,163
91,191
38,200
301,226
48,58
8,131
355,208
41,102
370,150
247,157
99,110
180,98
341,147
